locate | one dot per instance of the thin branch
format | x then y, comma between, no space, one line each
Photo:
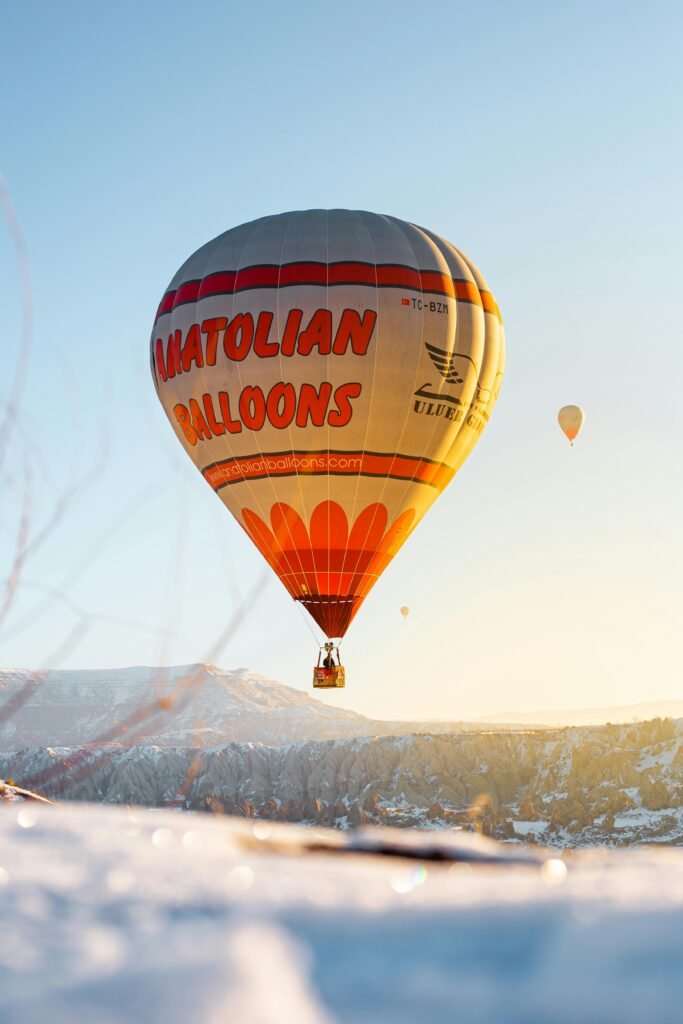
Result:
21,368
65,500
69,644
80,763
54,594
20,553
28,620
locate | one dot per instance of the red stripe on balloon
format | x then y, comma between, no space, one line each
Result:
230,282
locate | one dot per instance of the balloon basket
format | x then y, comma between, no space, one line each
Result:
329,678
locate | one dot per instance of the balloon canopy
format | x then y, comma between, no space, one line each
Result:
328,372
405,611
570,418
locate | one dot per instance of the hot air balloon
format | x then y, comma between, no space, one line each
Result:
405,611
328,372
570,418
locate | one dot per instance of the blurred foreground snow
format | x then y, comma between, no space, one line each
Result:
110,916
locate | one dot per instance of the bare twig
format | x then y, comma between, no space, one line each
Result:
75,573
31,537
20,554
25,284
78,764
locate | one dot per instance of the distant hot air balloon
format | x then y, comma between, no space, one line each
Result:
328,372
570,418
405,611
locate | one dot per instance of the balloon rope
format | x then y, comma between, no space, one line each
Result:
307,619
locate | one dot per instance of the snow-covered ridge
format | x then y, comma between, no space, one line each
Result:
591,786
191,706
204,738
186,705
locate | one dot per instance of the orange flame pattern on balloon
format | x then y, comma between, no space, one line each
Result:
326,566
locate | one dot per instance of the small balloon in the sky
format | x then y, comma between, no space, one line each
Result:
570,418
405,611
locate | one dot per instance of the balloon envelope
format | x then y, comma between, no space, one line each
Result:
328,372
405,611
570,418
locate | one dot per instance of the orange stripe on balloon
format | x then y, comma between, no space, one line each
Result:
490,305
327,463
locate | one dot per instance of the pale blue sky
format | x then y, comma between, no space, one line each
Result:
545,141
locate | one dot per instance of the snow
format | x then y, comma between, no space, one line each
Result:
111,915
662,759
525,828
639,818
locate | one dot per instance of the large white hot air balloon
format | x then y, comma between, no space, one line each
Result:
328,372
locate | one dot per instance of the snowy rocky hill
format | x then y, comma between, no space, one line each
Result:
614,785
111,915
183,706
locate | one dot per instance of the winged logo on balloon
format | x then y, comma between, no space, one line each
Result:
445,362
